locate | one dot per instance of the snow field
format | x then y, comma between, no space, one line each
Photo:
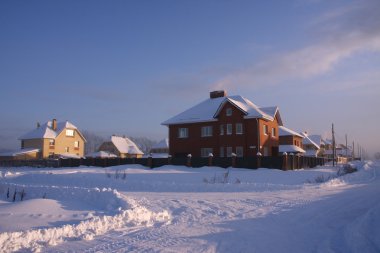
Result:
174,209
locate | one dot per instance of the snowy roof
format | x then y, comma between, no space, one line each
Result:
125,145
21,152
290,149
162,144
45,131
209,109
101,154
317,139
307,141
311,152
284,131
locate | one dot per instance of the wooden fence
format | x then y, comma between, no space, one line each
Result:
288,162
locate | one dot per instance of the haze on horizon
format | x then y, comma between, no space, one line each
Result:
126,66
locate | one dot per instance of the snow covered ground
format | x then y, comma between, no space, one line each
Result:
130,208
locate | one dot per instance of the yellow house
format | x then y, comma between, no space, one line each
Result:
122,147
54,139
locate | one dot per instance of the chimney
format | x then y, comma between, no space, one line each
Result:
54,125
218,94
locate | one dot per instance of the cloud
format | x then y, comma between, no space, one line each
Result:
344,32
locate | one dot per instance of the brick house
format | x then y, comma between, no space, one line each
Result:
52,139
290,141
223,125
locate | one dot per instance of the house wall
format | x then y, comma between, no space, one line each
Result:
62,141
248,140
28,156
290,140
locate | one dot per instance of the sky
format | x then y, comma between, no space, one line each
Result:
123,67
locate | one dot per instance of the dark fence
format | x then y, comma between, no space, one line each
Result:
289,162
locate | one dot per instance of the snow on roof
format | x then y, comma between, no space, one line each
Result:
102,154
209,109
310,152
125,145
290,149
46,131
307,141
284,131
21,152
317,139
162,144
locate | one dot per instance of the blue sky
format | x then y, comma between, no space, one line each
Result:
124,67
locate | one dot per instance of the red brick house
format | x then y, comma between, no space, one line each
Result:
223,125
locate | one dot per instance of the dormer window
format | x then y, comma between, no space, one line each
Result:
51,143
70,132
229,111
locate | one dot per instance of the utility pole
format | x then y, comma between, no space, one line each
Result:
353,150
333,143
346,148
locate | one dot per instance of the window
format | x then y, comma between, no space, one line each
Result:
67,149
239,128
265,129
229,151
229,129
221,129
273,132
69,132
206,131
205,152
221,152
183,132
51,143
76,144
239,151
229,111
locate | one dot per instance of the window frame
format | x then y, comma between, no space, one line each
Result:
229,129
228,111
183,132
206,131
237,128
69,131
265,129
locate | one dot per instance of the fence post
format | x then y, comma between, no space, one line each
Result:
150,161
210,156
233,160
291,158
258,160
284,161
188,164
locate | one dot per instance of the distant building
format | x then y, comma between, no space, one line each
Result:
290,141
52,139
122,147
161,149
223,125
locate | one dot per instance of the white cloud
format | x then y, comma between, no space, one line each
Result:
344,33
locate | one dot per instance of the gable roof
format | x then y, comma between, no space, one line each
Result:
209,109
284,131
46,131
125,145
307,141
